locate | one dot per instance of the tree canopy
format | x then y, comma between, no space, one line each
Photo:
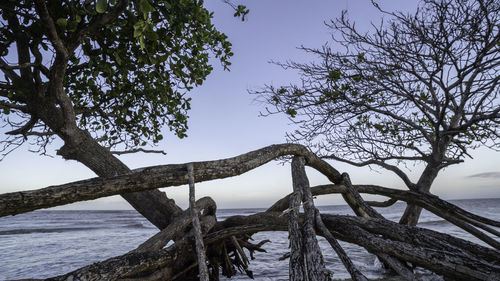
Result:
125,66
420,87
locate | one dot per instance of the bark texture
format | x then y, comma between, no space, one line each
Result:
200,248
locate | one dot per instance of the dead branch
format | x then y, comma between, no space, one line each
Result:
434,204
200,249
351,268
314,264
395,244
154,177
179,225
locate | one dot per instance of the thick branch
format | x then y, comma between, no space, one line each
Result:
306,243
154,177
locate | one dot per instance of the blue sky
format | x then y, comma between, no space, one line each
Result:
225,121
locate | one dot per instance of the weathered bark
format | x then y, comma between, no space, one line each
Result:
186,254
283,203
362,209
452,265
314,264
122,266
200,249
357,204
296,267
386,203
155,177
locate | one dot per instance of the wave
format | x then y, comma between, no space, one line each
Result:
145,225
434,222
43,230
134,225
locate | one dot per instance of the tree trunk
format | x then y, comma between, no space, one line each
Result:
79,145
412,212
154,205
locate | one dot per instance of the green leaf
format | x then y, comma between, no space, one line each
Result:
145,6
292,112
334,75
118,59
361,57
62,22
152,36
101,6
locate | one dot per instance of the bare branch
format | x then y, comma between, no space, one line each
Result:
382,164
138,150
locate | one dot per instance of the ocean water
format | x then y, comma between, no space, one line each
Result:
46,243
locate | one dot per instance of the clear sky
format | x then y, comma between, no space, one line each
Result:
224,120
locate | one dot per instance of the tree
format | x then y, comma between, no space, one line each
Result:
421,87
104,76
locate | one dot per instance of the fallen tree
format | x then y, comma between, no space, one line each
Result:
52,56
225,242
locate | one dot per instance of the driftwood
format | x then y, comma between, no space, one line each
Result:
155,177
226,243
306,259
200,248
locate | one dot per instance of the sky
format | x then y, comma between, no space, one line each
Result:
225,120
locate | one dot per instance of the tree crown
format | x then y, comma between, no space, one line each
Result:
125,65
421,87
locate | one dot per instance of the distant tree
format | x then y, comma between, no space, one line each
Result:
421,87
104,75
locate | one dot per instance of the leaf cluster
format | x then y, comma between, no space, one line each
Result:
126,78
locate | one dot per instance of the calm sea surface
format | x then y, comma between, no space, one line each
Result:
41,244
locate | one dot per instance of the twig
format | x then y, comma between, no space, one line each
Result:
138,150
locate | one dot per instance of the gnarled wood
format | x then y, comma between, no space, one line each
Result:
313,258
434,204
403,242
154,177
200,249
393,243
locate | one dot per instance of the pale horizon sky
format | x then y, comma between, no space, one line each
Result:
224,120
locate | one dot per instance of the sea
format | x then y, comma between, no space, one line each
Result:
47,243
